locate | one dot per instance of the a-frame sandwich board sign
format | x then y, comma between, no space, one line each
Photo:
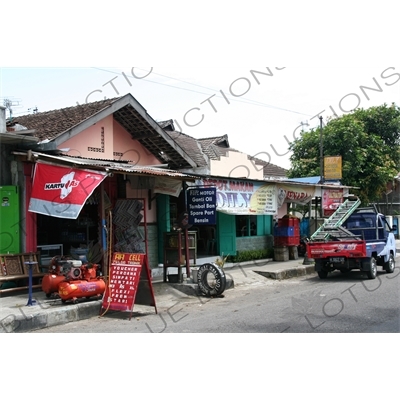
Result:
129,283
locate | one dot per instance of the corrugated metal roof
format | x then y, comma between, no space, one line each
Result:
16,139
312,180
112,166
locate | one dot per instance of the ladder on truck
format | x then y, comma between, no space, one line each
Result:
333,226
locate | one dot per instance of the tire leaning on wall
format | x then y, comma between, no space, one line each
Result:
220,280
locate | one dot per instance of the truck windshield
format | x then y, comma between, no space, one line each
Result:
368,226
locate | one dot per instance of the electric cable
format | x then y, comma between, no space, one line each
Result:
245,101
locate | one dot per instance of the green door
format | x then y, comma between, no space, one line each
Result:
226,234
10,241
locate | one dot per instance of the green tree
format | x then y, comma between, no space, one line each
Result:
368,141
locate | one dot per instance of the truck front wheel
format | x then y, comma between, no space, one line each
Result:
373,269
390,266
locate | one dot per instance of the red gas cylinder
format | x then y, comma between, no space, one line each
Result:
50,283
74,290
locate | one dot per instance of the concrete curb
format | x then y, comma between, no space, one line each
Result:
21,322
245,264
288,273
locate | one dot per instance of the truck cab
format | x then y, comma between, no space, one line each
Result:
369,225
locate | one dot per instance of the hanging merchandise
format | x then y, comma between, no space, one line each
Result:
129,236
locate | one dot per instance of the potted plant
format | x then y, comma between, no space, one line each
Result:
221,260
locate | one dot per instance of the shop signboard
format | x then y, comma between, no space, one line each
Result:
331,200
61,192
202,205
171,187
238,197
127,273
333,168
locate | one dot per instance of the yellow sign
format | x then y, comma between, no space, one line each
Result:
333,168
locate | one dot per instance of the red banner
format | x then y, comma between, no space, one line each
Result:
61,192
124,280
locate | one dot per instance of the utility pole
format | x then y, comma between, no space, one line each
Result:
321,148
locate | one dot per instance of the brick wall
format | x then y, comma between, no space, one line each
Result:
254,243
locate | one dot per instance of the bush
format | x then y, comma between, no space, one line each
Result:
251,255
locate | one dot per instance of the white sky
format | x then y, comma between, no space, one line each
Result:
310,33
263,114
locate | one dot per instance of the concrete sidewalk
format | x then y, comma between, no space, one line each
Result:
18,317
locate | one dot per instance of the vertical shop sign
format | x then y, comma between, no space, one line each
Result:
331,200
126,273
333,168
202,206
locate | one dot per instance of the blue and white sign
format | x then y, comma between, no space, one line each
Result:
202,206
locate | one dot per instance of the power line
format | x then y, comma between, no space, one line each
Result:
245,101
215,92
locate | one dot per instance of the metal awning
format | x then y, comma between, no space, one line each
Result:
108,166
15,138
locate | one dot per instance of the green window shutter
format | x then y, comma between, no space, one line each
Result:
264,225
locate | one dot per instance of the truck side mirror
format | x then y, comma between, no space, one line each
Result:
394,228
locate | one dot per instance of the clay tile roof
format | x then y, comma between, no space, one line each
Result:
49,124
274,171
215,147
190,146
271,171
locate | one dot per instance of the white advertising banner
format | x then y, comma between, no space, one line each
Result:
238,197
168,186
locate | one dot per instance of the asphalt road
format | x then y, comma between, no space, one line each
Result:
344,303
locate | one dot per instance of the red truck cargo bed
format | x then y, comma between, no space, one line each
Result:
337,250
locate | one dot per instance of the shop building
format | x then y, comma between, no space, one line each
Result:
130,159
126,156
251,195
